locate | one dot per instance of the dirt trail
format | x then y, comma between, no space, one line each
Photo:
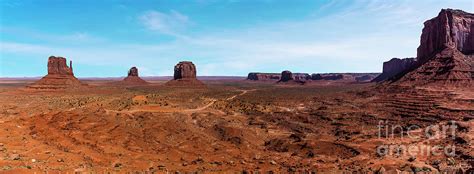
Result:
212,101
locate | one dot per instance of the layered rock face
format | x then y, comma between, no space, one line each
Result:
185,75
263,76
132,78
394,67
451,28
445,52
59,76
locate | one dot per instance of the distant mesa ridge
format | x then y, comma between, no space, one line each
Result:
393,67
276,76
360,77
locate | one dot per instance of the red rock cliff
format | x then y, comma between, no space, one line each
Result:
451,28
185,70
57,65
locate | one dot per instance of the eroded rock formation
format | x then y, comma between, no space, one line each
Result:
132,78
446,51
451,28
185,70
185,75
395,66
60,76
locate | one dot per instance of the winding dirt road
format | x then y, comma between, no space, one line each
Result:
212,101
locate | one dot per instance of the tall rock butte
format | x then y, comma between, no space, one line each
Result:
446,52
132,78
185,75
450,29
60,76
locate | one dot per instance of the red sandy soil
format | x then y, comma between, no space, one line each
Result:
230,126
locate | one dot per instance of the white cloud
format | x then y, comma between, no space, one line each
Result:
357,39
172,23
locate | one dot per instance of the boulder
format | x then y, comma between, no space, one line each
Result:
60,76
393,67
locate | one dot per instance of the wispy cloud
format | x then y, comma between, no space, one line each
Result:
172,23
357,38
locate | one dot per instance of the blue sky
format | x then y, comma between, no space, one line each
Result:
228,37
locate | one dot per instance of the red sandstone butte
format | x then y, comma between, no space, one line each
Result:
133,78
446,52
185,76
60,76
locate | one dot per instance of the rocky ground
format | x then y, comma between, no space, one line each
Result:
235,126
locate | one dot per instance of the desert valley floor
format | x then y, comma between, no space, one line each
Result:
229,126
